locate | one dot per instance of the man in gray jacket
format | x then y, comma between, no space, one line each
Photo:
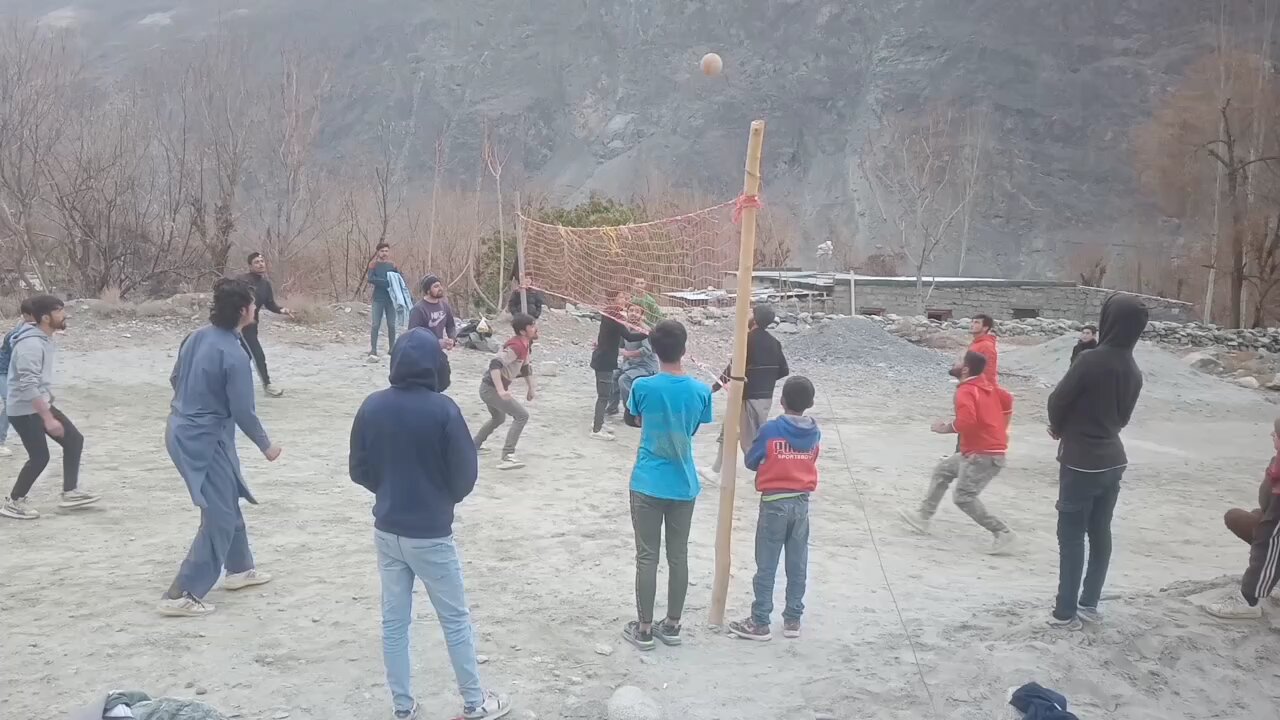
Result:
33,414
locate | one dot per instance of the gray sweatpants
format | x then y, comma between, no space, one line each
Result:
755,413
499,409
972,474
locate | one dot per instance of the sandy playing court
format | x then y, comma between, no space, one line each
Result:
549,561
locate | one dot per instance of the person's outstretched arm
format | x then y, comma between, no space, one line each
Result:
240,396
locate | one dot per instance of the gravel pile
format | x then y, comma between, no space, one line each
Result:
859,350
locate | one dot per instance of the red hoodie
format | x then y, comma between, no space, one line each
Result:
985,345
982,417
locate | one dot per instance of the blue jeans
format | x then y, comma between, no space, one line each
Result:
783,526
382,307
435,561
1086,502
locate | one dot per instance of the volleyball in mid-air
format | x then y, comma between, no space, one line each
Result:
711,64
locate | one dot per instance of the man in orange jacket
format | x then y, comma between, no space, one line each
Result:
983,413
984,343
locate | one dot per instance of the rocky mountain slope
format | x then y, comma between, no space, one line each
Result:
606,95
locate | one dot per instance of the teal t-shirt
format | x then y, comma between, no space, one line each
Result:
670,408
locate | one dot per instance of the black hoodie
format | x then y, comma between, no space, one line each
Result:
1095,399
410,445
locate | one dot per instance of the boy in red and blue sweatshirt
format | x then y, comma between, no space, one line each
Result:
785,458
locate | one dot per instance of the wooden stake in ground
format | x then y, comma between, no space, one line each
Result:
520,271
737,370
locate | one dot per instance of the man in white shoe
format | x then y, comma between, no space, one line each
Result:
212,395
983,413
34,416
511,362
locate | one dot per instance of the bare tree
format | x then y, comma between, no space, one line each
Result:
495,158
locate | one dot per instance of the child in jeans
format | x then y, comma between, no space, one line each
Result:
785,458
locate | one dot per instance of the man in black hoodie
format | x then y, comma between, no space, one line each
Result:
410,446
766,365
604,358
1091,404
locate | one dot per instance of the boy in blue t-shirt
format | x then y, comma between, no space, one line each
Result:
668,407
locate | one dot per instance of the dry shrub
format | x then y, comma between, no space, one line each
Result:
9,305
307,310
155,309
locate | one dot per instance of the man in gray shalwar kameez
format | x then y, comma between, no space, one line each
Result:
212,395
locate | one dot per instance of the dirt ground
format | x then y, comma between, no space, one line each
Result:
548,555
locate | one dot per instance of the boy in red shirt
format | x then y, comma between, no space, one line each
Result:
785,458
1261,529
983,413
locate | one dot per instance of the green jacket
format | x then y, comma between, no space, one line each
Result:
652,313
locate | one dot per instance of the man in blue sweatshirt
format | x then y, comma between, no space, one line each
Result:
382,305
410,446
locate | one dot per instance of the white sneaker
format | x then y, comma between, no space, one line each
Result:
916,520
5,451
18,509
482,450
494,706
603,435
510,463
1089,614
272,390
77,498
1234,607
372,358
185,606
1004,543
410,714
248,578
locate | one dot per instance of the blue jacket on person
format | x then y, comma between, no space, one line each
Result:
410,445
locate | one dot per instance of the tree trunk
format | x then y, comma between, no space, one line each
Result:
1237,246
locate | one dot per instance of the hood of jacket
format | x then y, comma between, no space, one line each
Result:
1122,322
28,330
415,358
800,431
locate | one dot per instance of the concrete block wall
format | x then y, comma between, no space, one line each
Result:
1068,302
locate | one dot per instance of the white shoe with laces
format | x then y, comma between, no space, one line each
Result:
1234,607
248,578
77,498
916,520
603,435
1004,543
185,606
510,462
1089,614
272,391
18,509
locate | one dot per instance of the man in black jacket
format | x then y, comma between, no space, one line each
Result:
532,296
1088,341
766,365
604,359
1091,404
263,297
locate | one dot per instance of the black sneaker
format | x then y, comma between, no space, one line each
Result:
667,632
642,639
749,630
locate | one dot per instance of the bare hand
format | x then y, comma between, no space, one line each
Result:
450,343
504,394
272,453
53,427
287,313
529,395
940,427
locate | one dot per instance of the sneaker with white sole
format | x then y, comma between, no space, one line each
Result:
1071,624
510,463
77,498
248,578
5,451
790,628
18,509
916,520
410,714
372,359
482,450
494,706
603,435
1234,607
272,390
1089,614
185,606
1003,543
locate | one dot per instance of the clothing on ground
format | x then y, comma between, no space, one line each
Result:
670,408
982,416
610,337
1095,399
972,474
781,530
766,365
35,440
212,396
410,445
264,295
755,413
436,316
1086,503
1036,702
30,370
784,455
534,298
649,517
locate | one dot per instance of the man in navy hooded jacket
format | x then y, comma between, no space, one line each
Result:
410,446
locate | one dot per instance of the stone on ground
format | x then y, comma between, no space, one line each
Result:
631,703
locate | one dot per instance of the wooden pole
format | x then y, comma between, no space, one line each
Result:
737,370
520,269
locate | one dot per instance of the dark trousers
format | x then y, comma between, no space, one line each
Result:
1086,502
249,340
1264,557
648,515
783,527
604,388
31,429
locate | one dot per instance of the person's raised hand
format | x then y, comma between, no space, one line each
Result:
941,427
271,453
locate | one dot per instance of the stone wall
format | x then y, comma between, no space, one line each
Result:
999,300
